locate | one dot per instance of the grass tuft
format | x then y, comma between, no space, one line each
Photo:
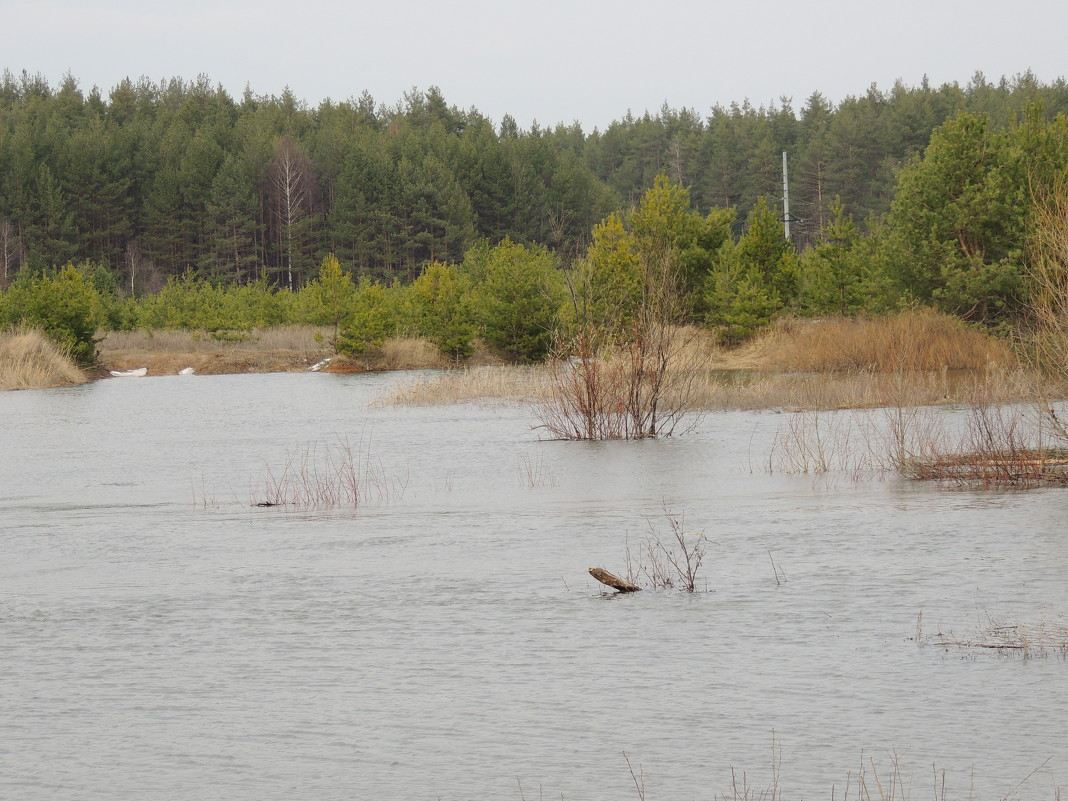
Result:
912,341
29,360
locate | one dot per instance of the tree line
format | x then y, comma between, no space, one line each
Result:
173,205
160,179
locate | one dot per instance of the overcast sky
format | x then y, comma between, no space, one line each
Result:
550,61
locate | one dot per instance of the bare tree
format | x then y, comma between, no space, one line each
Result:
11,255
141,272
291,193
627,380
1048,257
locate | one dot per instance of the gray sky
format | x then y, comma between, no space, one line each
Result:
551,61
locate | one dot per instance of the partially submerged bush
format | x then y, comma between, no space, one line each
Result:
670,560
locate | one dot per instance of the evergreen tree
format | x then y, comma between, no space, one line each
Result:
958,218
517,298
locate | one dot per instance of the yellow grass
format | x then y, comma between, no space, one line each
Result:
164,352
477,384
912,359
411,353
29,360
920,340
305,339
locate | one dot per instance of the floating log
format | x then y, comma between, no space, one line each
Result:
613,581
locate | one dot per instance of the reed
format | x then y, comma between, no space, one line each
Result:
475,384
950,364
918,340
30,360
1025,639
883,777
326,476
412,353
533,472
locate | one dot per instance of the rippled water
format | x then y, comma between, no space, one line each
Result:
162,638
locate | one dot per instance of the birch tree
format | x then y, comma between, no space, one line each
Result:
291,195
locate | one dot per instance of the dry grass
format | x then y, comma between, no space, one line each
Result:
720,390
402,353
411,353
475,384
327,476
298,338
1028,639
912,341
29,360
771,373
277,349
915,358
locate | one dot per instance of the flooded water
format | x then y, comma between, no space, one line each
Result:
163,638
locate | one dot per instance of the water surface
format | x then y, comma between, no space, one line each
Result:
162,638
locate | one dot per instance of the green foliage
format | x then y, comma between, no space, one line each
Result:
607,284
764,254
834,273
518,298
439,308
330,298
958,218
187,303
666,228
374,318
738,302
661,252
175,180
64,305
753,279
962,211
189,175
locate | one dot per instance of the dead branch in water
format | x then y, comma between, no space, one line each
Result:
613,581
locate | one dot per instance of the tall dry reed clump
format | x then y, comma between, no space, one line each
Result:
918,340
29,360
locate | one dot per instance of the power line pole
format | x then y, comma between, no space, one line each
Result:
785,197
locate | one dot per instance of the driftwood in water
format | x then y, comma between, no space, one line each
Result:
613,581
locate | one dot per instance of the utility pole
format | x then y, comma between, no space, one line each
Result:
785,197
